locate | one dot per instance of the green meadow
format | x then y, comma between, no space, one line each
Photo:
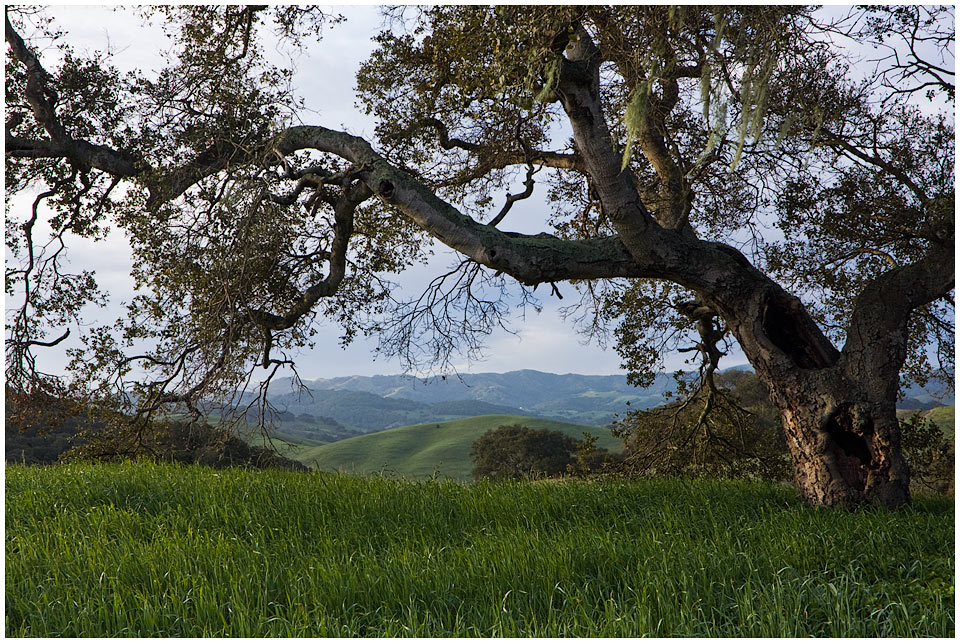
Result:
167,550
428,450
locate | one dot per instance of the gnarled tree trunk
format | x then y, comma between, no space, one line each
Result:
845,447
839,407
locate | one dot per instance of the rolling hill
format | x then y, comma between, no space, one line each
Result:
362,412
424,450
584,399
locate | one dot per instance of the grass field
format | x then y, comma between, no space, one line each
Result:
150,550
426,450
943,416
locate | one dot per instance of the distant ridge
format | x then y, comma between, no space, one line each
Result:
588,399
363,404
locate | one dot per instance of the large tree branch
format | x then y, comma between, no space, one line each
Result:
531,259
877,335
758,311
672,207
118,163
43,100
579,93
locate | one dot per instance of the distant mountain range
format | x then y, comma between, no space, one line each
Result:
341,407
386,401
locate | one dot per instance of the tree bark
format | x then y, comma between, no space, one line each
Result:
845,445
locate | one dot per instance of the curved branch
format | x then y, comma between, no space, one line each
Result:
342,230
543,158
579,93
877,336
513,198
43,99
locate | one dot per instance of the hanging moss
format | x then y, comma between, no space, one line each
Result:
785,126
717,125
635,116
551,78
705,88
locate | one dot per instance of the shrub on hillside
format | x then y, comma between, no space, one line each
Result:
515,452
47,429
184,442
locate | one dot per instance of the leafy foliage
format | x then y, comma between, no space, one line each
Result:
930,454
175,441
691,92
515,452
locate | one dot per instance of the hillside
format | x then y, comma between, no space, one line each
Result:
942,416
359,412
423,450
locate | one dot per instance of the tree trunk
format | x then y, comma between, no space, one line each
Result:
838,408
845,449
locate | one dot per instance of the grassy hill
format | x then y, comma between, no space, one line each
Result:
943,416
423,450
141,550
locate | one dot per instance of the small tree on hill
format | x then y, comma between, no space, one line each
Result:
516,452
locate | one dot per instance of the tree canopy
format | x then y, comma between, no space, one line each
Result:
715,175
515,452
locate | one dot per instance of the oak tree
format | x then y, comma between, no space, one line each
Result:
715,175
516,452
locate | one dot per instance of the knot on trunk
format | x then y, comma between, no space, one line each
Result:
386,189
850,445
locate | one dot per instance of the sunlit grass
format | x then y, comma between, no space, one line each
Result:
148,550
423,450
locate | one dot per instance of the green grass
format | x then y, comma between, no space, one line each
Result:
427,450
943,417
151,550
